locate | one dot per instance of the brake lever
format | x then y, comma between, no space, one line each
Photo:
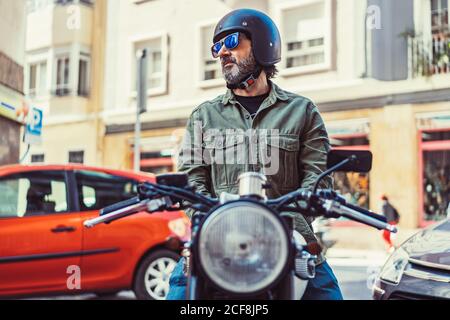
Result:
159,204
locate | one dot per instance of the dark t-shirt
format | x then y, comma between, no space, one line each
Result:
252,104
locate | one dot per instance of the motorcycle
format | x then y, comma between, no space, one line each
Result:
244,246
321,227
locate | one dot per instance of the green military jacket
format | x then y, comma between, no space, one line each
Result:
222,141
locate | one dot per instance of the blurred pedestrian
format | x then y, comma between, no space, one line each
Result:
392,217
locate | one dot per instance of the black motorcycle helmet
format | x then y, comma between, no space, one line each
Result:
262,31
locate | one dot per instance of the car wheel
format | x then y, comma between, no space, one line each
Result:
152,278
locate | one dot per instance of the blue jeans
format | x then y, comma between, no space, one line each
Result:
323,287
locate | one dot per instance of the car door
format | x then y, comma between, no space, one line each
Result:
40,235
106,247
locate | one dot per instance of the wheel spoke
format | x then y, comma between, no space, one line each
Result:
157,277
154,273
158,289
153,283
170,267
161,265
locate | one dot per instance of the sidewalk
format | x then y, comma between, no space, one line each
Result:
364,238
356,257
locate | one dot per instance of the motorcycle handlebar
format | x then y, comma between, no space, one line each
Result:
330,203
355,213
119,205
117,214
367,212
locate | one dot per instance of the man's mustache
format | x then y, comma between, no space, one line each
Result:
227,60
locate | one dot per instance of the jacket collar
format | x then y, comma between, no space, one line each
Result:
276,93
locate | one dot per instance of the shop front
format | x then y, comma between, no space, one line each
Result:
12,113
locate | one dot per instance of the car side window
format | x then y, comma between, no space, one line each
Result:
97,190
33,194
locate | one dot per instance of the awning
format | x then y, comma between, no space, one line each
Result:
348,127
12,105
436,120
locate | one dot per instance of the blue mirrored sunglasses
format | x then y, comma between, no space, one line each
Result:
231,41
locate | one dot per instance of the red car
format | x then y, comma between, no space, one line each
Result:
44,248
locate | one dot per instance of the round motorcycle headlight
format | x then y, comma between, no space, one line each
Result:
243,247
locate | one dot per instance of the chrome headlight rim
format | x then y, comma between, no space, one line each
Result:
284,270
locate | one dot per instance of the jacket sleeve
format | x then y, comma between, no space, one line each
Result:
313,150
191,158
313,157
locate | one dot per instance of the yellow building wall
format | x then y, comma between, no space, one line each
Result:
118,148
393,142
58,140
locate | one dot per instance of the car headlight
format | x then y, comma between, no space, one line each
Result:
243,247
392,270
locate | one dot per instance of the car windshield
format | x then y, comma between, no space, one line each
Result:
444,226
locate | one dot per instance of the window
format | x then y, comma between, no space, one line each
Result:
156,64
439,16
36,5
355,187
62,76
37,79
83,75
440,38
76,157
156,162
37,158
64,2
33,194
32,85
435,163
306,33
97,190
211,68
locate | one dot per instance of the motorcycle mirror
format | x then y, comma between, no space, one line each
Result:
361,161
179,180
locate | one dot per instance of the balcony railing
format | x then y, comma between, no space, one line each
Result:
429,56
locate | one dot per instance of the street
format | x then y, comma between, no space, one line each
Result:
354,269
353,282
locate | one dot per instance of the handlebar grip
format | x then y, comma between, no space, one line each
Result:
119,205
356,215
333,195
118,214
367,212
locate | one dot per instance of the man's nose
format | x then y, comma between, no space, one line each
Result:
224,51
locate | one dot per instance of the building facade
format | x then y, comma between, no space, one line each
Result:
12,59
63,77
378,71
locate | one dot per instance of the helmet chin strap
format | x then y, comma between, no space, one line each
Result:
250,79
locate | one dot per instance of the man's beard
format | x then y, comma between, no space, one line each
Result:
235,73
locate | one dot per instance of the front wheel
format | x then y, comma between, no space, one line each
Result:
153,274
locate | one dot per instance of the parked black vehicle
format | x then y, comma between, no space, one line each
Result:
419,269
245,246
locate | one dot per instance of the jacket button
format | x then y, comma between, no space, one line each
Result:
247,116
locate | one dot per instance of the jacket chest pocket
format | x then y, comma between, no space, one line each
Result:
281,161
227,156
